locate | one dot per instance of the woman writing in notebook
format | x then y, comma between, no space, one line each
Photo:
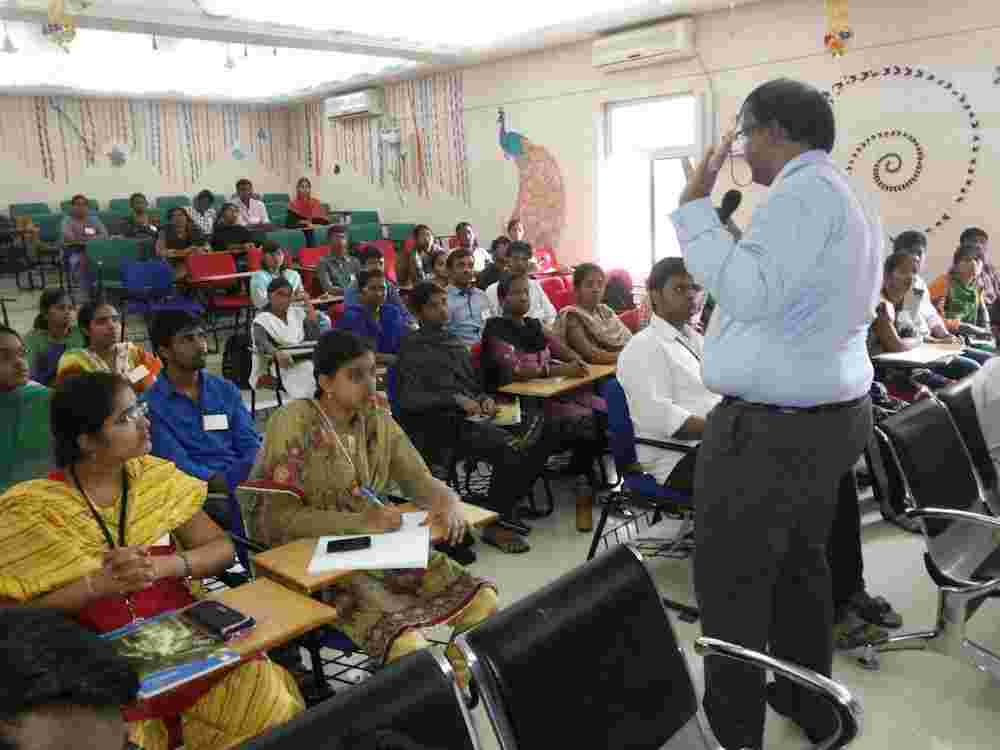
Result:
339,452
86,541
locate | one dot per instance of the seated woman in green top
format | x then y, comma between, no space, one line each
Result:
54,332
24,409
958,296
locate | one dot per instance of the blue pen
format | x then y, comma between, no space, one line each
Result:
370,495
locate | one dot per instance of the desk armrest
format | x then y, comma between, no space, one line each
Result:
841,700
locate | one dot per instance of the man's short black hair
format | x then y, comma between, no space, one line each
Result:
972,235
205,195
458,253
911,241
365,276
49,659
422,293
243,181
462,225
800,109
520,247
967,251
368,253
664,270
270,246
79,197
168,324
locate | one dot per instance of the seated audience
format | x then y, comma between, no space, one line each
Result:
439,268
139,224
341,452
203,212
515,230
251,211
516,348
660,372
519,257
918,312
63,686
54,332
282,324
24,409
198,419
468,305
305,211
273,266
439,390
79,228
497,267
380,324
371,259
101,326
990,276
179,238
64,548
413,263
986,396
958,294
229,234
336,269
589,327
467,241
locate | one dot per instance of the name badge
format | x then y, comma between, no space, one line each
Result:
89,231
137,374
212,422
153,227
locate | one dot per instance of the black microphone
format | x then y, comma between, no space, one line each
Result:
730,202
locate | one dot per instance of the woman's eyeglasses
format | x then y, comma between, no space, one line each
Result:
133,414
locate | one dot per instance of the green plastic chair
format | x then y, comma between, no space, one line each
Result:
292,240
28,209
49,227
66,205
365,217
276,198
119,205
358,233
107,258
166,202
400,232
220,199
277,213
113,221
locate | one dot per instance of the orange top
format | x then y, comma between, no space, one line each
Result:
939,296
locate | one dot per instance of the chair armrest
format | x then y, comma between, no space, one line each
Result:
845,705
268,487
666,445
949,514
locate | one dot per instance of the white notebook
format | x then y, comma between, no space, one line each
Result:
409,547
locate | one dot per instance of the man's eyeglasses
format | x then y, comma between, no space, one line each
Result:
133,414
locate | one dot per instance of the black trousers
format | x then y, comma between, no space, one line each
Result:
766,494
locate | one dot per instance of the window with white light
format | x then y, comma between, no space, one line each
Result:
641,177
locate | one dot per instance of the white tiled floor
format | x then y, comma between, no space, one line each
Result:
917,701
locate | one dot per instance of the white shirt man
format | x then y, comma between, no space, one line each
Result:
541,306
251,210
660,371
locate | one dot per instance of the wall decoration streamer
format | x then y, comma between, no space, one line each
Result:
838,30
888,166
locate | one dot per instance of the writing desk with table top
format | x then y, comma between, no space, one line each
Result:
557,386
921,356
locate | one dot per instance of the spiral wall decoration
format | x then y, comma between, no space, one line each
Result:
890,164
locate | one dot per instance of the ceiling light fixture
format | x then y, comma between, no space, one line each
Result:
156,45
230,62
8,43
245,52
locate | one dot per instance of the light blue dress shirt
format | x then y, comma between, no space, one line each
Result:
796,295
468,310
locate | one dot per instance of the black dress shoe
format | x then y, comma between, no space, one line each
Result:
817,728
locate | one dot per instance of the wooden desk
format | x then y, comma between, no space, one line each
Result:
288,564
223,278
327,299
549,387
922,356
281,614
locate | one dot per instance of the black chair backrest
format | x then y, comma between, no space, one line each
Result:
589,660
958,399
414,698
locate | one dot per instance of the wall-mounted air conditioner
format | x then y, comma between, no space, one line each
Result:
366,103
649,45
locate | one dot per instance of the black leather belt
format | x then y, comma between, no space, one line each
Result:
818,409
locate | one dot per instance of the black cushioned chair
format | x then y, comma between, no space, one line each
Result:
945,495
591,661
414,699
958,399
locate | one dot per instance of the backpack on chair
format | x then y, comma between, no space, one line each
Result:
237,360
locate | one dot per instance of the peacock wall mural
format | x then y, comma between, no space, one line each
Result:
541,198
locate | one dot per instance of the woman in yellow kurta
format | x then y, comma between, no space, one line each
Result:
101,327
337,450
85,541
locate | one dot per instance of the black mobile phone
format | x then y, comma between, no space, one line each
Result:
217,618
348,545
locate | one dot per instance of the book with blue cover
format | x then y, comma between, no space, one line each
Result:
169,650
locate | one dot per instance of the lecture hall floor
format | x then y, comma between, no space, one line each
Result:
917,701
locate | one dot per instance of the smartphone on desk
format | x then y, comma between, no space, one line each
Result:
218,619
348,545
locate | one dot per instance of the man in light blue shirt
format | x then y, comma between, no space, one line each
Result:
468,305
786,348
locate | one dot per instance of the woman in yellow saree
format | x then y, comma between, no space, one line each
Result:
87,541
337,451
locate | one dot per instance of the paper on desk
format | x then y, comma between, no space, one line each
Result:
407,548
414,519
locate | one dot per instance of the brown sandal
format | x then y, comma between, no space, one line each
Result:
505,540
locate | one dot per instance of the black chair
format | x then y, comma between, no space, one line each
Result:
415,698
591,661
962,556
958,399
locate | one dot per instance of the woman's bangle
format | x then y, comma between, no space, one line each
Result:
188,571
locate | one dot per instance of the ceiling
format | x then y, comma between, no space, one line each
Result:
262,50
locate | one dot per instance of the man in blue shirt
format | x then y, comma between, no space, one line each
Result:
468,305
198,420
786,348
